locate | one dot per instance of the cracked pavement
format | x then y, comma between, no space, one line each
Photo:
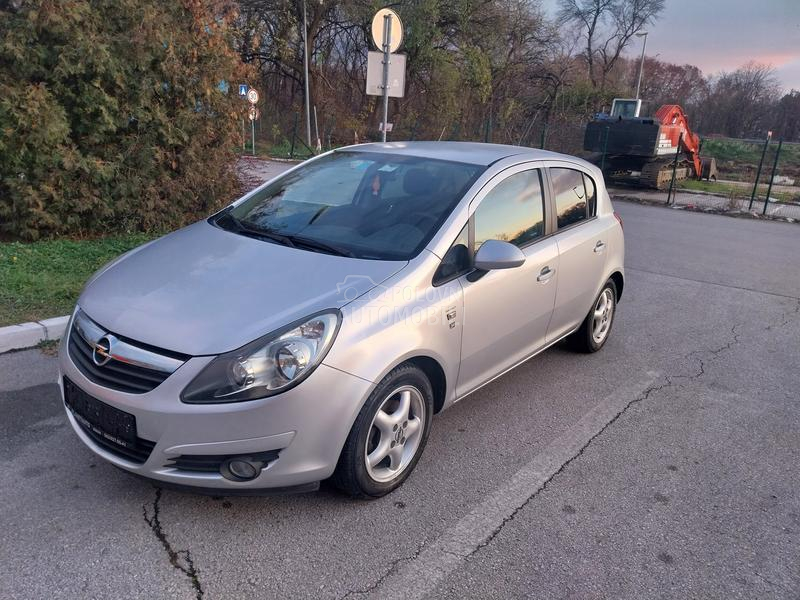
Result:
687,487
179,559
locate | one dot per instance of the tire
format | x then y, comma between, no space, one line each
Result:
371,434
585,339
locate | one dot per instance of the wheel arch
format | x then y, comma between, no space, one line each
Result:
436,375
619,282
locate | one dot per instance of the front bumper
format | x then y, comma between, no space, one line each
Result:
308,424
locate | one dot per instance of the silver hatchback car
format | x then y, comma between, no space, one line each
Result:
312,329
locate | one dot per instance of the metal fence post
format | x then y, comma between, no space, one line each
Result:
772,176
758,172
294,136
605,148
674,168
543,138
316,130
330,132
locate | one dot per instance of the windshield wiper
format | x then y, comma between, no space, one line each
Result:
293,241
254,232
313,244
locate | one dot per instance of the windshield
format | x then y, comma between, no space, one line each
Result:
365,205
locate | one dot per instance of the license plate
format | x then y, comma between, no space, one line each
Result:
103,419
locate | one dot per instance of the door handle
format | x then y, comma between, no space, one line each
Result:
545,274
599,246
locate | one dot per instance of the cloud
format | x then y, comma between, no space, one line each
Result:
722,35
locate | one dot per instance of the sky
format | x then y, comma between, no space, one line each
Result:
721,35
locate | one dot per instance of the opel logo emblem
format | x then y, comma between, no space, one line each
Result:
102,351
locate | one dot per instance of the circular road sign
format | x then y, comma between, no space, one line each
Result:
253,113
252,96
377,29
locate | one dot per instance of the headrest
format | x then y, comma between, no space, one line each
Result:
419,182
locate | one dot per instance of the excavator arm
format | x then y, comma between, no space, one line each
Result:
673,123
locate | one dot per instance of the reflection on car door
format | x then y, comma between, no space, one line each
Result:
506,312
582,244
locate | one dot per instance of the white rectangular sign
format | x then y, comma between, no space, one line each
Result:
397,74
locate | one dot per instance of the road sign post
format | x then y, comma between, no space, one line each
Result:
387,41
387,34
252,98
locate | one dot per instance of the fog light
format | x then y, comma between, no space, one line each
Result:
240,469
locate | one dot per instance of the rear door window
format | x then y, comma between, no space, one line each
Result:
570,196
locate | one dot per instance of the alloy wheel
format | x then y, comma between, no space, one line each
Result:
395,433
601,318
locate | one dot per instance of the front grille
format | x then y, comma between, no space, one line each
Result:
211,463
115,374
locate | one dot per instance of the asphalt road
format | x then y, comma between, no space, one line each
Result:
666,465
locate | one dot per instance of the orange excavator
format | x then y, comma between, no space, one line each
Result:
642,150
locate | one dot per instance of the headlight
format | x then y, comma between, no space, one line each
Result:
268,366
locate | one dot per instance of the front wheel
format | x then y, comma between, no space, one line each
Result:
388,435
596,327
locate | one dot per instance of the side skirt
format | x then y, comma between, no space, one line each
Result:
514,366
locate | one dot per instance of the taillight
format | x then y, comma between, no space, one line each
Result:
618,218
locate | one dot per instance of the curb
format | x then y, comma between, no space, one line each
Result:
25,335
736,214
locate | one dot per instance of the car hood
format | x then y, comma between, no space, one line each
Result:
203,290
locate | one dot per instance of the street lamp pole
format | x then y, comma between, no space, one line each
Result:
305,75
641,62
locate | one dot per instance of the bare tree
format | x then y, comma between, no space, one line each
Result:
787,116
607,27
740,103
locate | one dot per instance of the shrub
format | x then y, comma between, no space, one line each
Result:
115,115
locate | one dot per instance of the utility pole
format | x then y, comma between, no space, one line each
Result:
305,75
641,63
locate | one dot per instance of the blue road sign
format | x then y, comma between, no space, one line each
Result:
243,89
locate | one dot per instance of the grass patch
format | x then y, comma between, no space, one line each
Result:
738,159
731,190
741,151
268,150
43,279
48,347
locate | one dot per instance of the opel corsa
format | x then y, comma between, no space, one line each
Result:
312,329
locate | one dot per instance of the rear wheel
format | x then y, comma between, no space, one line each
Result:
596,327
388,435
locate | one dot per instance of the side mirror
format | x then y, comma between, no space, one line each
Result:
494,254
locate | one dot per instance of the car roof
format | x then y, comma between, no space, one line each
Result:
464,152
